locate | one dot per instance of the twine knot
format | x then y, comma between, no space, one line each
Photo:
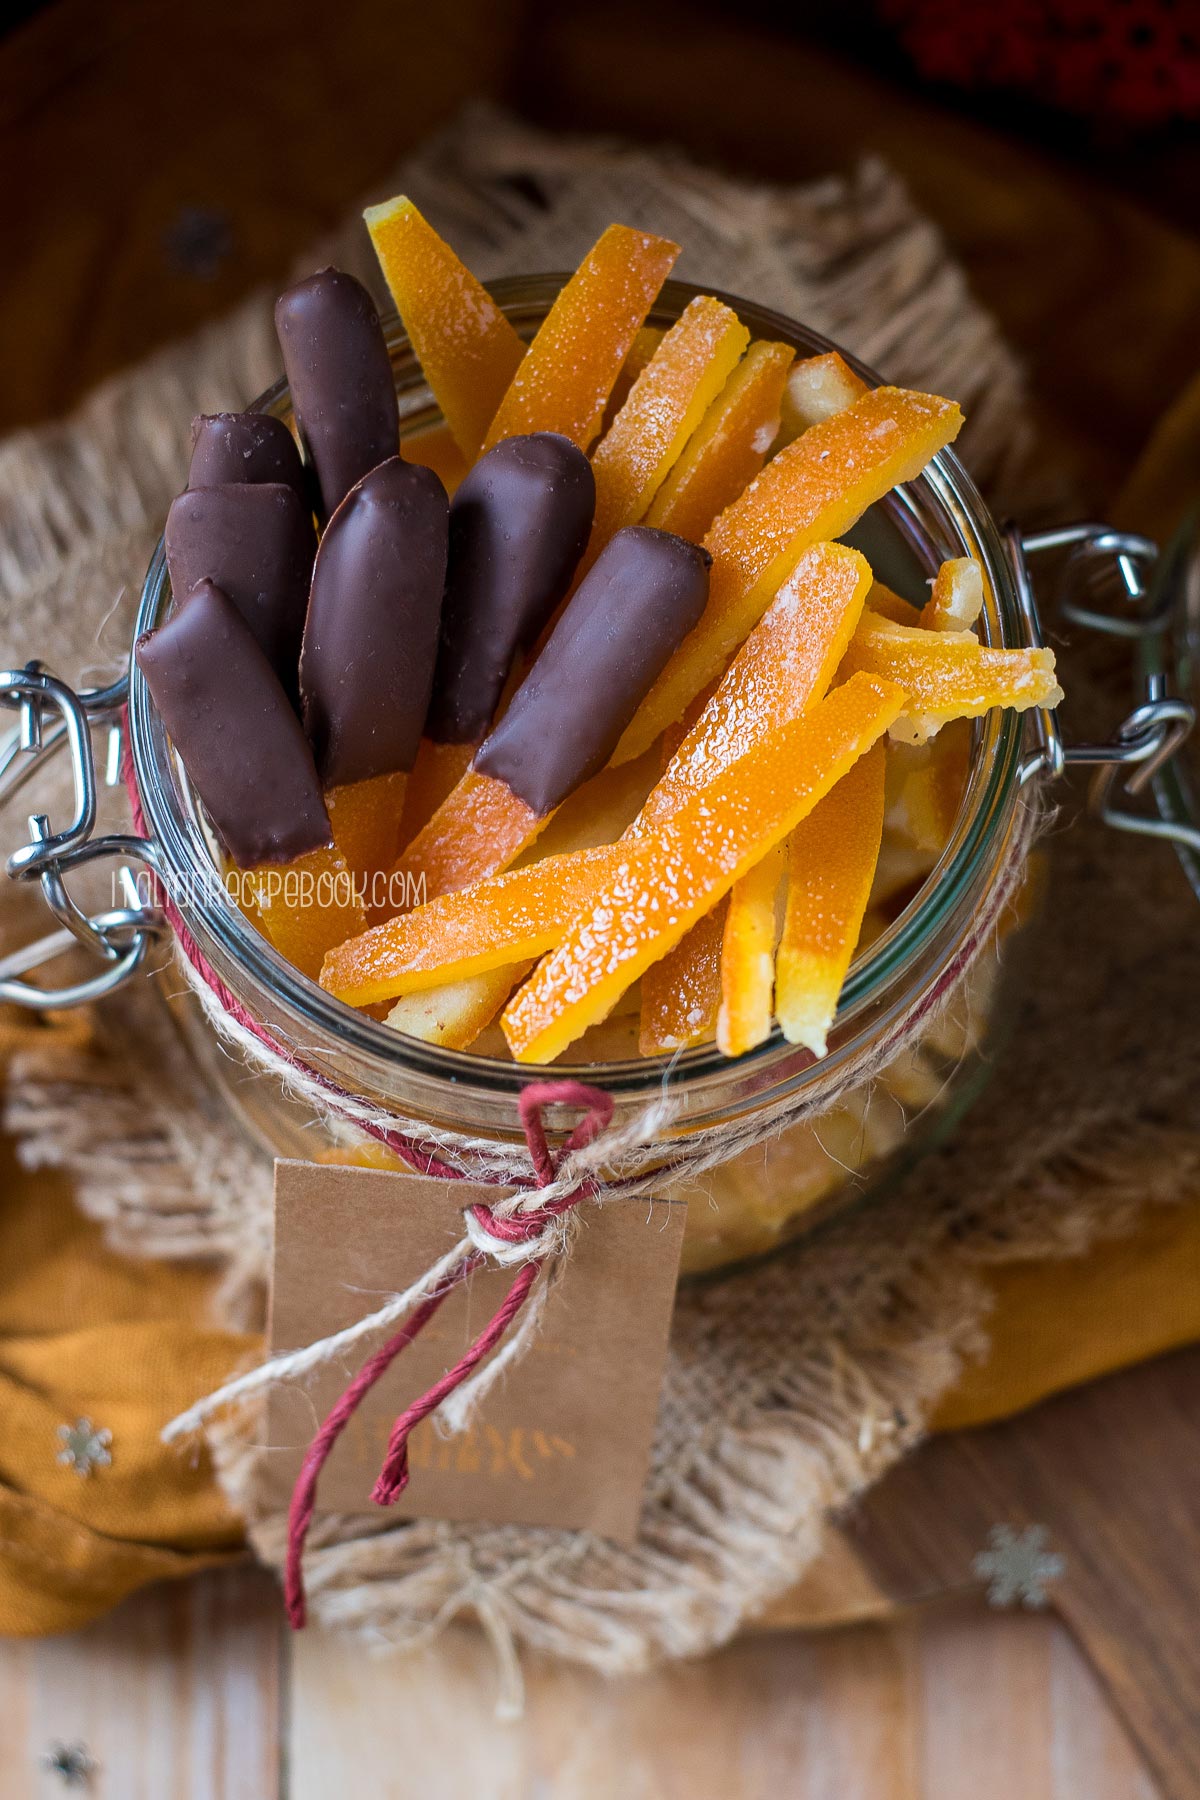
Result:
513,1231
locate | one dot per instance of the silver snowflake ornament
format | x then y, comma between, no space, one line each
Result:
71,1763
84,1447
1017,1566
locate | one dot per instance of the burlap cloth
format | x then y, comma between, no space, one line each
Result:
794,1384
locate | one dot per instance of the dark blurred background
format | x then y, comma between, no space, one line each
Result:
162,159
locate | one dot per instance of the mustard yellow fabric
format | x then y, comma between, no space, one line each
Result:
126,1343
1056,1324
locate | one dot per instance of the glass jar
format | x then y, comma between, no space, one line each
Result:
896,1099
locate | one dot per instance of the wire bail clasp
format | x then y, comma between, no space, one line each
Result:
1151,733
52,717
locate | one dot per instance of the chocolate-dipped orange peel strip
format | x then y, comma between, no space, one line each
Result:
634,606
518,526
248,759
366,668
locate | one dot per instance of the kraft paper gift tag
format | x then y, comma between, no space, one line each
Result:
562,1439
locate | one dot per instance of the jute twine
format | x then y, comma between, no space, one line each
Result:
791,1385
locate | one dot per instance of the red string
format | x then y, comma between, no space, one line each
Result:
516,1228
304,1494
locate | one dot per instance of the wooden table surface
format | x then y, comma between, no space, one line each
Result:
182,1694
124,127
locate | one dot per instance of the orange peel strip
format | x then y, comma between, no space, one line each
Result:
748,956
816,488
956,599
925,785
831,866
671,877
572,364
664,407
509,918
730,446
468,351
817,388
306,906
644,345
681,994
366,816
454,1015
785,665
436,773
479,829
890,605
948,674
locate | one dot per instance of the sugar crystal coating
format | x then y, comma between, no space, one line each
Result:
570,369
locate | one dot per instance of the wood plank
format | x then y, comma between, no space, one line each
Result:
1110,1471
955,1701
1092,1752
176,1695
134,123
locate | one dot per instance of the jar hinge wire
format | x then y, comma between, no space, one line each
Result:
52,717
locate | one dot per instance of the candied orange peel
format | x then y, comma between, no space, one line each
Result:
785,664
478,830
505,919
569,370
831,866
890,605
949,674
468,351
453,1015
818,387
664,407
925,785
366,817
674,874
748,957
436,773
305,907
681,994
816,488
730,446
956,598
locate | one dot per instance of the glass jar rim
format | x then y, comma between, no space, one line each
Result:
943,489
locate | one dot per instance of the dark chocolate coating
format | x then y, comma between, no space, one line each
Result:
639,600
518,527
257,543
232,724
340,375
253,447
371,637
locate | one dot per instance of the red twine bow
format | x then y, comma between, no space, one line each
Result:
517,1228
